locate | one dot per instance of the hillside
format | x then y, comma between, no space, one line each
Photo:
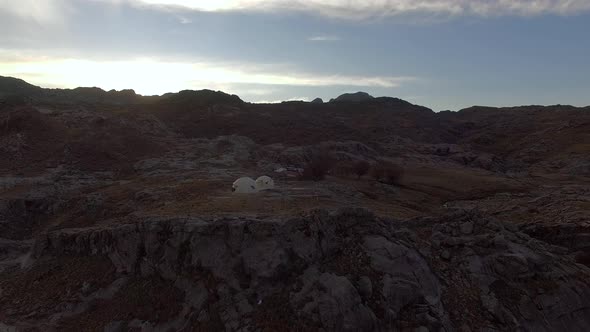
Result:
117,213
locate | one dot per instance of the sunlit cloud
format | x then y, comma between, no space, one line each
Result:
325,38
258,91
39,12
152,76
184,20
56,12
280,101
386,8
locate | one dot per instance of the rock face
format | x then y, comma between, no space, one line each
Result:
342,271
317,101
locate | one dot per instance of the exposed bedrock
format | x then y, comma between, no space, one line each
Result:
346,270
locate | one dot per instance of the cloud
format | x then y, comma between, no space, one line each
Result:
56,12
280,101
258,91
184,20
323,38
40,12
347,9
153,76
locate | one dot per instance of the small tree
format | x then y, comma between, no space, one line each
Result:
361,168
387,172
377,172
318,167
583,258
343,170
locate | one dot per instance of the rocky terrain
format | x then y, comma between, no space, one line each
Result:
116,214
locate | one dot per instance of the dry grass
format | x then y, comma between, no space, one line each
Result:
243,204
579,148
50,284
450,184
422,190
152,300
387,172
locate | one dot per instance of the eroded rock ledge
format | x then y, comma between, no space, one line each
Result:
345,271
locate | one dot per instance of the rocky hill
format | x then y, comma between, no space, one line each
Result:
10,86
353,97
116,214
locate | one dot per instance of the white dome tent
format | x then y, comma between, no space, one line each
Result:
244,185
264,182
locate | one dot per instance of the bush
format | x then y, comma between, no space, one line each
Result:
583,258
342,170
318,167
387,172
361,168
223,146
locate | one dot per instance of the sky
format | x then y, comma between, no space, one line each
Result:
443,54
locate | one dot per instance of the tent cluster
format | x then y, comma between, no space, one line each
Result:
247,185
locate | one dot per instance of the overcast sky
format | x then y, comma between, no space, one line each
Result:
444,54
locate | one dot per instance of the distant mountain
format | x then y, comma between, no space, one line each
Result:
92,95
199,97
19,91
353,97
10,86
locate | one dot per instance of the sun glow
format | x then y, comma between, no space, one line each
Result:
145,76
380,8
149,76
206,5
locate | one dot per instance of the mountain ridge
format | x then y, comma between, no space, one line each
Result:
16,87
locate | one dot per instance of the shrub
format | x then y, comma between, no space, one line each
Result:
319,165
343,170
224,146
361,168
583,258
387,172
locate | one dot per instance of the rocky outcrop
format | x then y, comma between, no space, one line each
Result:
199,97
342,271
353,97
18,217
300,155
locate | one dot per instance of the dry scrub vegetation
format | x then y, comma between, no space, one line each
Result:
321,164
